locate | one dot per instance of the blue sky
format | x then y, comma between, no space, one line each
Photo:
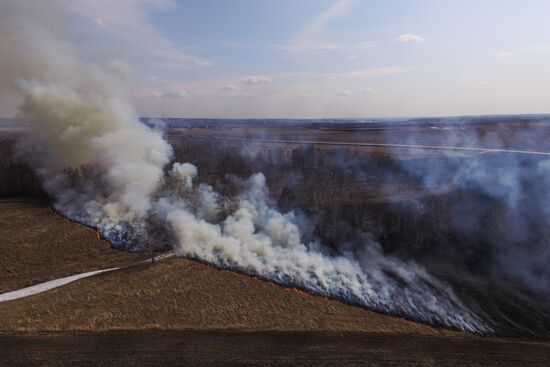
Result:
327,58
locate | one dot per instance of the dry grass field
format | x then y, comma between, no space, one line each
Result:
37,245
175,294
182,312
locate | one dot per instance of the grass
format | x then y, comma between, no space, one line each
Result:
175,294
37,245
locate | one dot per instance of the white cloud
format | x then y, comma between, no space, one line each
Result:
343,93
362,46
257,80
409,37
538,48
340,8
156,80
314,47
230,87
367,91
353,74
129,20
309,94
476,79
310,38
504,54
373,72
240,94
174,94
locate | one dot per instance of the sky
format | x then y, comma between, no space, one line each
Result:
325,58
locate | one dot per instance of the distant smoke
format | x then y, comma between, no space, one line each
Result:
106,169
505,197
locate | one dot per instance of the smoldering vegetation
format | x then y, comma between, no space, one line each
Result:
298,223
104,168
478,221
475,222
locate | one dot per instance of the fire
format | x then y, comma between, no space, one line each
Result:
96,232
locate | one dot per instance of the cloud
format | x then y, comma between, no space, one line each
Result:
236,82
240,94
310,38
538,48
315,26
230,87
367,91
362,46
257,80
504,54
174,94
312,47
476,79
129,20
353,74
343,93
309,94
409,37
373,72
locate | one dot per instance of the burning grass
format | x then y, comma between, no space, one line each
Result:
180,294
175,294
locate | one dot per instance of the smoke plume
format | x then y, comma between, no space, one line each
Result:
104,168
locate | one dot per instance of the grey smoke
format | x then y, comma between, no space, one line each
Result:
106,169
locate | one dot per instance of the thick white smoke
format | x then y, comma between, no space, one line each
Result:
83,113
103,167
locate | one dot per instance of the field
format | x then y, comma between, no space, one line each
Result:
182,312
198,348
175,294
38,245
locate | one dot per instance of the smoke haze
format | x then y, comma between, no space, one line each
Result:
106,169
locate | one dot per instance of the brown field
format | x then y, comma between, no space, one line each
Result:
181,312
177,294
37,245
199,348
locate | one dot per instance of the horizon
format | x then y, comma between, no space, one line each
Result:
373,118
317,59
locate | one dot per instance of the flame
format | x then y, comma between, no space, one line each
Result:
298,291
